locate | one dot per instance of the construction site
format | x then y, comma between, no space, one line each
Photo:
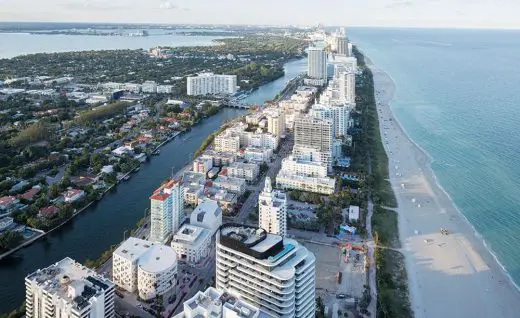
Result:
340,277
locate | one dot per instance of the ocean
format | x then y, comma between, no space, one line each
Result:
458,98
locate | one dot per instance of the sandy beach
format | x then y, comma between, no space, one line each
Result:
450,275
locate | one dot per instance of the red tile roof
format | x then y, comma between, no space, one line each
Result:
29,194
49,211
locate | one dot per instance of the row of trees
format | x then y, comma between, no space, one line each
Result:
101,112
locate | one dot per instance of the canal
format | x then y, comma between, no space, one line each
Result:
103,224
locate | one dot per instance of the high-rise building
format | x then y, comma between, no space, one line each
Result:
339,114
272,210
209,83
313,132
166,210
276,122
342,45
317,63
68,289
271,272
144,267
347,87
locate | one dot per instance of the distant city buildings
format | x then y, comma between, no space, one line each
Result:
209,83
342,45
272,210
275,274
145,267
68,289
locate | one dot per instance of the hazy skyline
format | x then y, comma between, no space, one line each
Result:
412,13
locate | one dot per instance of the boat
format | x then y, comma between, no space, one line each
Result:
137,169
127,177
156,152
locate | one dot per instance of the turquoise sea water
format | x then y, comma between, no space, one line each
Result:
458,97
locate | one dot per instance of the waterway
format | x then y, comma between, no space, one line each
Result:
104,224
26,43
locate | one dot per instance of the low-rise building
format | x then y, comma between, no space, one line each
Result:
227,141
7,203
73,195
48,212
202,164
353,213
288,181
226,200
68,289
234,185
218,304
247,171
6,223
145,267
191,243
257,154
300,167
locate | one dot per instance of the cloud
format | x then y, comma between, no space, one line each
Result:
399,4
168,5
91,5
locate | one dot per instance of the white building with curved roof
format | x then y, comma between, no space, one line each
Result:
207,215
144,267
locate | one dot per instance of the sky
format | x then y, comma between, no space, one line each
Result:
408,13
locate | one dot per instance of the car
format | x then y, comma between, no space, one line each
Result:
341,296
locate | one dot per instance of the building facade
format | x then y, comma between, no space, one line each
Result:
210,83
246,171
166,210
144,267
317,63
314,133
68,289
272,210
191,243
275,274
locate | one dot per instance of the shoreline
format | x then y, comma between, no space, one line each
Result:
462,273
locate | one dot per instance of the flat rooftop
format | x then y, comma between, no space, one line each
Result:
71,281
190,236
158,258
133,248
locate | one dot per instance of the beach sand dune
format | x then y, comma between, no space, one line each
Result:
450,275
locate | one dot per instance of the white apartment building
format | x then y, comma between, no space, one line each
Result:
227,141
313,132
317,63
68,289
166,210
218,304
247,171
272,210
311,154
191,243
209,83
290,181
164,89
234,185
347,87
300,167
342,45
149,87
275,274
338,114
145,267
257,154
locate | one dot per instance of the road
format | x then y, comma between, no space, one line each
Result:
372,306
274,167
